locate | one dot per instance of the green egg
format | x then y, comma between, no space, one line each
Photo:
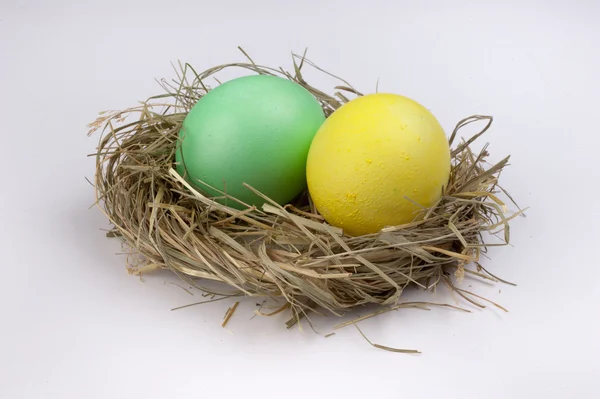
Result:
255,130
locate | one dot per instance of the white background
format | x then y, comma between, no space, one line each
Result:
74,324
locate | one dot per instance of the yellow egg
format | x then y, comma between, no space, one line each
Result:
377,161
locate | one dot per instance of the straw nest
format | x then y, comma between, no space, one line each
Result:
287,252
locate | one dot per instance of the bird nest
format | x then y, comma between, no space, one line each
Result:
287,251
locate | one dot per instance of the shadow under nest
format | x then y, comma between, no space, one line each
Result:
287,252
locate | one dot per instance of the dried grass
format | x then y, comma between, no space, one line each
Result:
289,251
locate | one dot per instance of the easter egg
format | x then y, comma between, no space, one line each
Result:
255,130
375,162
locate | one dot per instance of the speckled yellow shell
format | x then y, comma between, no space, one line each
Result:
373,160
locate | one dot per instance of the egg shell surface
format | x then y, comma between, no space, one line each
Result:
255,130
376,161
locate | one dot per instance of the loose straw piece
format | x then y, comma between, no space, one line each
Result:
229,313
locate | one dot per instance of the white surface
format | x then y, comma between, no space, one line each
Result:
75,325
